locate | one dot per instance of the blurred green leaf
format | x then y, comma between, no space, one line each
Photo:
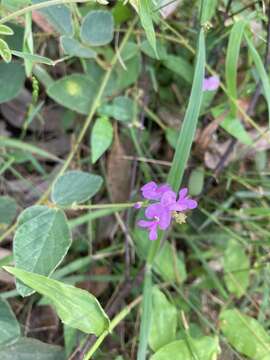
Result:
75,92
122,109
11,89
75,187
35,59
164,321
179,66
41,241
73,47
261,72
9,326
208,8
59,16
14,5
5,52
245,334
232,57
236,268
8,209
31,349
97,28
145,8
196,181
101,137
205,348
77,308
6,30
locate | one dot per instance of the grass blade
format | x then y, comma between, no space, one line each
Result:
261,72
233,51
187,133
145,10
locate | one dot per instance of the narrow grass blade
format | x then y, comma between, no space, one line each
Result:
233,51
187,133
145,10
261,72
20,145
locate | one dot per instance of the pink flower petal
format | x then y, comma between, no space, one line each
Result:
144,223
153,233
183,193
168,198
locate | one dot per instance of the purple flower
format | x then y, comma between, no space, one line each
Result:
160,213
138,205
152,191
211,83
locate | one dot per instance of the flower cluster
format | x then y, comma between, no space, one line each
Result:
160,213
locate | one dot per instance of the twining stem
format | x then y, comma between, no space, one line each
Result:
38,6
117,319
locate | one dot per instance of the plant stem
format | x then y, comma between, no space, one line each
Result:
117,319
105,206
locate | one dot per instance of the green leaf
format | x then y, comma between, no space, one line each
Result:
59,16
101,137
164,322
232,57
77,308
35,59
261,72
31,349
13,5
245,334
41,241
171,136
179,66
205,348
232,125
208,10
8,209
11,89
76,92
196,181
5,52
75,187
236,268
188,128
145,13
6,30
9,326
148,50
122,109
97,28
167,263
73,47
125,78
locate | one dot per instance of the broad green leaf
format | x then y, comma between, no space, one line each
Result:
205,348
179,66
5,52
13,5
101,137
125,78
10,89
261,72
35,59
232,57
145,8
188,128
122,109
5,30
97,28
164,321
76,92
8,209
73,47
245,334
77,308
41,241
236,268
75,187
9,326
148,50
208,9
196,181
31,349
59,16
